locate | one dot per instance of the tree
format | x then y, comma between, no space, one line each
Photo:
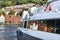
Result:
43,1
29,1
19,13
2,12
25,1
26,9
17,3
11,12
2,4
8,3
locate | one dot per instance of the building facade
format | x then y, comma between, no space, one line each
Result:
12,19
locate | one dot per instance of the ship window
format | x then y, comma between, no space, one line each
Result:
52,26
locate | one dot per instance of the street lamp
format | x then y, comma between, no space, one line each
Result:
25,18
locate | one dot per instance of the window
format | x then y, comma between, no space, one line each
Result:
52,26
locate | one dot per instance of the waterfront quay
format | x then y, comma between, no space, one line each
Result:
8,32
